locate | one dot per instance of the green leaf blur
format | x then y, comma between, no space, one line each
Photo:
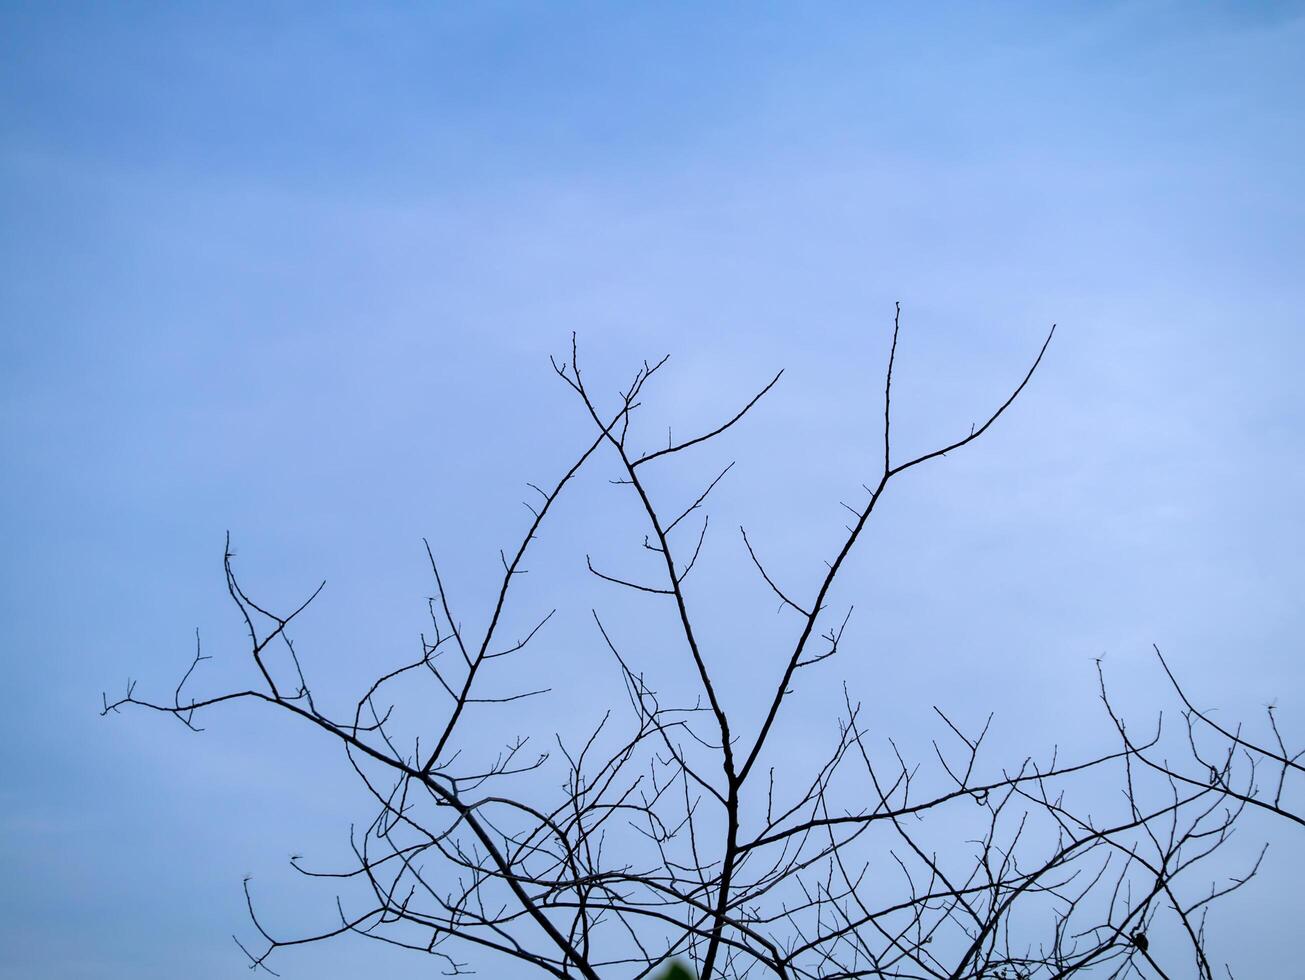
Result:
676,971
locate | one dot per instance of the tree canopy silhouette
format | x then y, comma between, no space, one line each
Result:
678,831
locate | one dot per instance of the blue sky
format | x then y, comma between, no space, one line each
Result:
295,271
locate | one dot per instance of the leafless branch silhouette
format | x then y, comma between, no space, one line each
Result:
666,838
